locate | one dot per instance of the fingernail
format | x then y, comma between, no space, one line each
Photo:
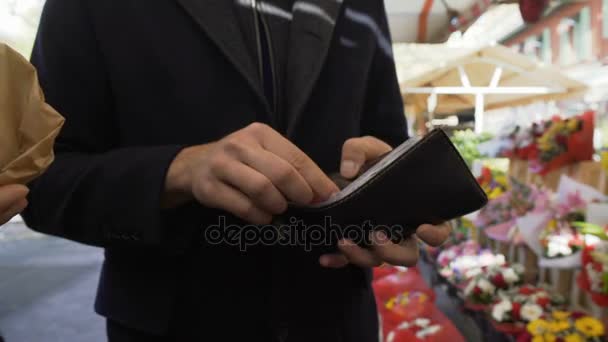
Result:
349,169
324,261
346,243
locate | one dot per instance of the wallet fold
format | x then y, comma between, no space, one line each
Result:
422,181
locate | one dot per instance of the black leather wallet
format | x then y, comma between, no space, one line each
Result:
424,180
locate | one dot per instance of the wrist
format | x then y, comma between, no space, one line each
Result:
177,188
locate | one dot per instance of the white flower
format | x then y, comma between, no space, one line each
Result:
518,268
559,245
469,289
485,286
422,322
531,312
499,310
432,330
404,326
472,273
510,276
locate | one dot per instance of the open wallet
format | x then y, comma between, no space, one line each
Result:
422,181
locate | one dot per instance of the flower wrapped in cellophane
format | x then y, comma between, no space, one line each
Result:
484,288
565,141
518,306
467,263
564,326
594,273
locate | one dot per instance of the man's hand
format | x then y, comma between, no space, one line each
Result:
355,153
12,201
252,173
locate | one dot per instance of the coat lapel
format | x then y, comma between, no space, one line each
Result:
310,37
218,20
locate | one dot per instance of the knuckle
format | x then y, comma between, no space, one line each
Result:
258,128
298,159
285,174
234,146
218,163
207,187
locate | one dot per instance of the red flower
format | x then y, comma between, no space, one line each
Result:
526,290
578,314
543,301
516,311
477,291
499,281
562,140
597,267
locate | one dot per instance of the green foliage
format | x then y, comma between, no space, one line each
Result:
591,229
466,142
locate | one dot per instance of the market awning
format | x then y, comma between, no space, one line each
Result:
445,79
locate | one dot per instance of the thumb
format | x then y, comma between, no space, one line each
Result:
11,194
357,151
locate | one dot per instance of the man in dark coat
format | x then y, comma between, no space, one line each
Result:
185,114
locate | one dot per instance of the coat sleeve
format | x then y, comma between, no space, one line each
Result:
384,115
95,192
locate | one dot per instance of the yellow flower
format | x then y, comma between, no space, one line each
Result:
572,125
574,338
558,326
502,180
538,327
549,337
538,339
495,193
589,326
561,315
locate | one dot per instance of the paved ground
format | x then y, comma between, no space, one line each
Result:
47,288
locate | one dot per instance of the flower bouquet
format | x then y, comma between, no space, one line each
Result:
560,239
463,268
564,141
522,200
493,182
518,306
564,326
483,289
518,201
524,141
467,247
594,274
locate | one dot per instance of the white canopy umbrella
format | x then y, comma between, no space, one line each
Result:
445,79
